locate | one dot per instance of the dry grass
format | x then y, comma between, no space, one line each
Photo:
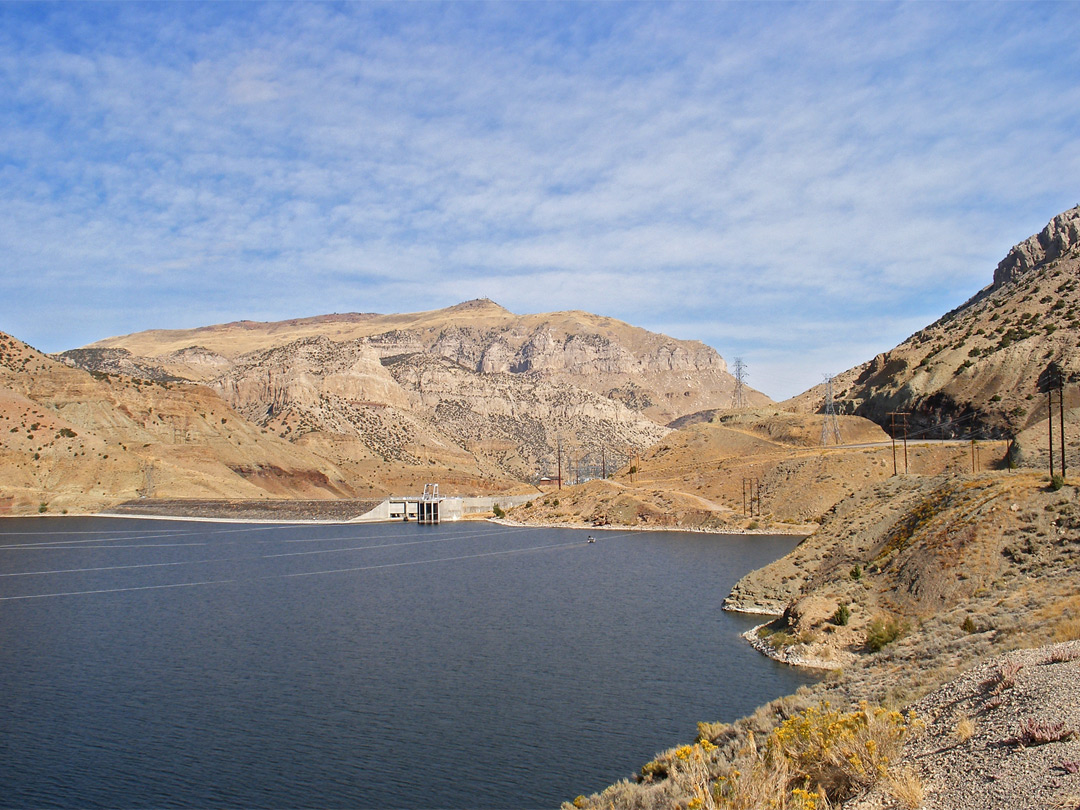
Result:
965,729
906,786
1061,618
813,759
1067,630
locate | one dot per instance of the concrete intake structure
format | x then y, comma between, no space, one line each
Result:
438,508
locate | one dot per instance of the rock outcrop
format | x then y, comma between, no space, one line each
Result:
1058,239
473,386
975,371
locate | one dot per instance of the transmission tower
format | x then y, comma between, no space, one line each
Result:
830,425
738,396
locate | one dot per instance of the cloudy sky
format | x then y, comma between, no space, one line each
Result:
801,185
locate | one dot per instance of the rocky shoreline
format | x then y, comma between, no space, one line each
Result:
610,527
793,656
955,590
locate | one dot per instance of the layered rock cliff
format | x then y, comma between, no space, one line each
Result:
473,386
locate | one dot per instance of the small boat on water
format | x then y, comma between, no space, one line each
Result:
592,539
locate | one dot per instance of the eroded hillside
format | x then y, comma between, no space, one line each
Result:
472,395
976,369
70,440
660,377
907,584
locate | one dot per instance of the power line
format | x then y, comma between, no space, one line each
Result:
830,425
738,395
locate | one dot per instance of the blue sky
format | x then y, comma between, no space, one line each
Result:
801,185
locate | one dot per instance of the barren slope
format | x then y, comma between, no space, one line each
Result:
75,441
702,476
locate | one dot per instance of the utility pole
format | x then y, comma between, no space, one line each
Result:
1061,419
892,423
751,497
559,446
1051,380
905,443
892,435
1050,426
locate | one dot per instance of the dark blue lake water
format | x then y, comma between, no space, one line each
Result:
169,664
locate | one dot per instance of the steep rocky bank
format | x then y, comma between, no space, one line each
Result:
938,575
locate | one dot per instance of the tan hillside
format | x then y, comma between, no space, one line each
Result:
938,575
976,368
74,441
472,394
697,477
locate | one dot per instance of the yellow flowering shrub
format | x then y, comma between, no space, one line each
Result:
818,756
841,751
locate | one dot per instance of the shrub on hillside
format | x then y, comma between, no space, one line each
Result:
814,758
1039,732
883,631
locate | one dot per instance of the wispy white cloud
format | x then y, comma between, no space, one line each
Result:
779,180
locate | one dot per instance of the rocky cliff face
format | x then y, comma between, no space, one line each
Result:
1058,239
520,419
473,385
411,407
975,370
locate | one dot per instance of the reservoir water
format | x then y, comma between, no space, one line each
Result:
468,665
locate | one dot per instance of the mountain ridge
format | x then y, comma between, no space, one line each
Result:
471,386
975,369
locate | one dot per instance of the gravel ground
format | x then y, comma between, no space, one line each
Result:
974,753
